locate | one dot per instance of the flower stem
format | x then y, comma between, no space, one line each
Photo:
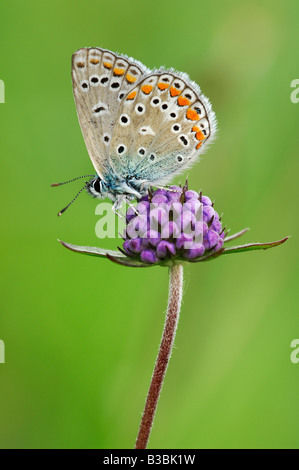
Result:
171,322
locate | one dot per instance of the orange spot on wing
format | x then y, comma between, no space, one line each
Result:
199,135
174,91
94,61
192,115
163,86
130,78
182,101
107,65
198,145
147,89
118,71
132,95
195,129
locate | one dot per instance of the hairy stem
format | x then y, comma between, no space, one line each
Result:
171,322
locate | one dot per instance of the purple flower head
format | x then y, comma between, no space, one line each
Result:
171,225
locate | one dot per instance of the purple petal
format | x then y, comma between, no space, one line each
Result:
135,245
130,214
143,207
208,213
188,221
175,188
165,249
175,194
158,216
197,250
145,244
126,247
193,205
137,226
170,230
206,201
199,229
162,192
184,241
153,237
216,225
205,229
211,239
219,245
191,195
175,208
159,199
148,256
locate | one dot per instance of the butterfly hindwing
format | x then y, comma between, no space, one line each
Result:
168,122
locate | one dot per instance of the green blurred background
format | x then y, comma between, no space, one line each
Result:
81,334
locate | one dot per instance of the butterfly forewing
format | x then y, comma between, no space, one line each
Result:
101,80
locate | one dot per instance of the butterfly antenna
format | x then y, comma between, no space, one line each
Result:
70,203
70,181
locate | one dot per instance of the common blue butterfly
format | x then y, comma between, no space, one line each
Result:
141,127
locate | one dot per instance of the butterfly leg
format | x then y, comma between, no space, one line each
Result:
119,214
127,201
116,208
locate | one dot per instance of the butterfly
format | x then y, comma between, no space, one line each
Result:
141,127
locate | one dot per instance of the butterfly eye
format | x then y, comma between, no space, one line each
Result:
97,186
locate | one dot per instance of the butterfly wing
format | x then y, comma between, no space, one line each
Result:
101,79
163,124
